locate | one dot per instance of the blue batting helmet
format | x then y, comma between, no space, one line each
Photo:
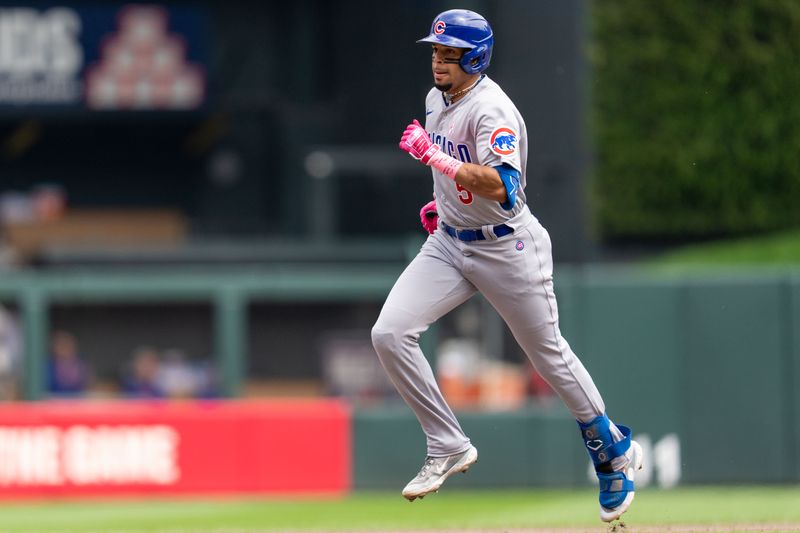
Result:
461,28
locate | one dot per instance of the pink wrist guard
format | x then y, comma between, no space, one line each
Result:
445,164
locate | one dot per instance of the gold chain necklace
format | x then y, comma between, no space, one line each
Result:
450,97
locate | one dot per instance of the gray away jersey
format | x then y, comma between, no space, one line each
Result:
484,128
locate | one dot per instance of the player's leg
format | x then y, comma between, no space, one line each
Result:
430,286
518,283
527,303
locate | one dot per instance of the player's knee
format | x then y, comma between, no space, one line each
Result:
384,337
387,337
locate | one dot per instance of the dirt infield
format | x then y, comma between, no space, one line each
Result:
626,528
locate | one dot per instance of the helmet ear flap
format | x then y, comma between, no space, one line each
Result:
475,60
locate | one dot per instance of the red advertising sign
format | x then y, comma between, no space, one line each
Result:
106,448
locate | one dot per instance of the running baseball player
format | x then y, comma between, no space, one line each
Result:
484,238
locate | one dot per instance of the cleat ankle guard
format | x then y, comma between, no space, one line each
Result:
600,443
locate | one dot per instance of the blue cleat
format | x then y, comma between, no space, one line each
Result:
615,463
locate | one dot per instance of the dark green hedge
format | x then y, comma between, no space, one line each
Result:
695,117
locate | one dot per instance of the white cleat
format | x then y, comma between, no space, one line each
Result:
436,470
616,482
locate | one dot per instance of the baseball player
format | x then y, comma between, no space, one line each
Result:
484,238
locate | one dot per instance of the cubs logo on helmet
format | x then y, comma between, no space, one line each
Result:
439,27
503,141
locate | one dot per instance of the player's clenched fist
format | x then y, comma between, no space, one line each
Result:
416,142
429,217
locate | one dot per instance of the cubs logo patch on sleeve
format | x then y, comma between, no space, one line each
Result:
503,141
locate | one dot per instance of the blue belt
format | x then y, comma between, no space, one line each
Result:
468,235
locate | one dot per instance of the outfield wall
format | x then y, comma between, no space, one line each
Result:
699,365
712,359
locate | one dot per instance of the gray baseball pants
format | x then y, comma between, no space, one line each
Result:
517,280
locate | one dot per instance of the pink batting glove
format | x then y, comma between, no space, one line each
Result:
429,216
416,142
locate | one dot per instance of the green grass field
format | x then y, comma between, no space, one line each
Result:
777,249
729,509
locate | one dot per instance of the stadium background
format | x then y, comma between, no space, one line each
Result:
218,190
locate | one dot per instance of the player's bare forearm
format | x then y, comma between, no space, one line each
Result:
481,180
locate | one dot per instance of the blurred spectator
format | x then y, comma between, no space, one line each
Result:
16,207
142,379
10,355
458,371
205,380
67,373
538,389
46,202
49,202
178,378
167,375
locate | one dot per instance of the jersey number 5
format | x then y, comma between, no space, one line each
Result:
463,194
